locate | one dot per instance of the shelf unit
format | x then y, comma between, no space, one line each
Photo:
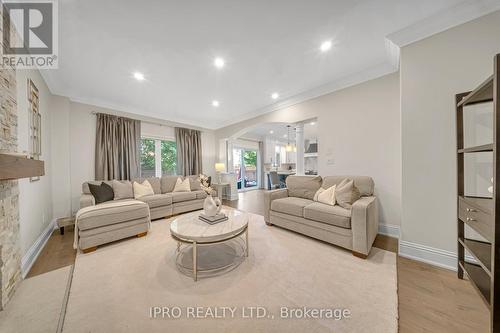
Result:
17,167
479,213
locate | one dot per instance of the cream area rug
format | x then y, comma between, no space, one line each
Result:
38,304
289,283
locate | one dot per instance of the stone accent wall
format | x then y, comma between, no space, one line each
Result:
10,252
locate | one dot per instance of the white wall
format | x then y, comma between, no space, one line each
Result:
432,72
359,134
60,144
35,201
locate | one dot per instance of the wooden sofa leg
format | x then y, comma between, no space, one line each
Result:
142,234
90,249
359,255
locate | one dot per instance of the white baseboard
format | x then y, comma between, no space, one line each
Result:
430,255
389,230
30,257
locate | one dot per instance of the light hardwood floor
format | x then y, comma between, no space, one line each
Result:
431,299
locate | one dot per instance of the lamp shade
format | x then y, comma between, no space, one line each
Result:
220,167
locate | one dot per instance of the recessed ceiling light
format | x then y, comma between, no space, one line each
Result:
271,132
219,62
326,45
139,76
313,123
215,103
275,95
284,135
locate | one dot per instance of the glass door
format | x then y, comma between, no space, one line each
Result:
246,168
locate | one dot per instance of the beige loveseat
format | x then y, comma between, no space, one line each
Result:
293,208
127,217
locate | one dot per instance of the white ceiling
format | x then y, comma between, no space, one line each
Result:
268,46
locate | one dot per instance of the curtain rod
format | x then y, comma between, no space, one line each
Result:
143,121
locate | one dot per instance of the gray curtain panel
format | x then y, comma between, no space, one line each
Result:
117,148
188,151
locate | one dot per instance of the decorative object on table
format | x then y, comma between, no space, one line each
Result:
220,217
219,168
212,206
205,184
490,189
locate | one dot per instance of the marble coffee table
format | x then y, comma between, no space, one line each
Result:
189,229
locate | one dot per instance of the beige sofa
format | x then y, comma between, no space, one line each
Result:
293,208
127,217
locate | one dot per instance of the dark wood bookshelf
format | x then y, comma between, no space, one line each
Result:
479,213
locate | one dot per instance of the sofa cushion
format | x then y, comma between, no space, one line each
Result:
194,182
182,185
303,186
364,184
200,194
142,190
346,193
168,183
157,200
291,205
109,213
154,181
85,186
123,189
333,215
102,192
183,196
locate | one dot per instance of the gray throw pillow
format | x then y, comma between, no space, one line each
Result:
346,193
155,184
123,189
194,182
101,193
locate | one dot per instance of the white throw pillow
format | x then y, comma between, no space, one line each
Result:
182,185
142,190
326,196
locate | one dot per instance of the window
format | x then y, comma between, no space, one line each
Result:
168,157
158,157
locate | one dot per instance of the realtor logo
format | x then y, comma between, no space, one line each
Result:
29,34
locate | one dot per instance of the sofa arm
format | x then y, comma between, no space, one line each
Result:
269,196
364,223
86,200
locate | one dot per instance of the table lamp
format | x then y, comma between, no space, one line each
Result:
220,167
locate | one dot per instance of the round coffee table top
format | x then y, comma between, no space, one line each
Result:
190,228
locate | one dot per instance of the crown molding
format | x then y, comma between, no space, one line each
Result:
451,17
139,114
345,82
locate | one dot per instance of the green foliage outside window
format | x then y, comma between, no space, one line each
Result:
147,154
250,158
168,157
148,157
